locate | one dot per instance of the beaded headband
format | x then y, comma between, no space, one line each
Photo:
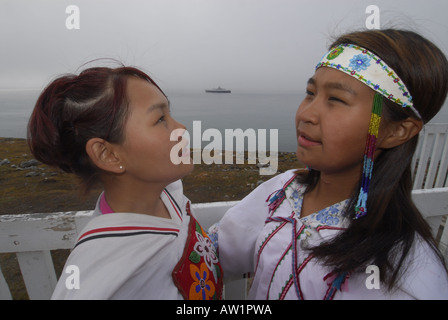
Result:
371,70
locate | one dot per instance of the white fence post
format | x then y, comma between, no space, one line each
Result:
5,294
430,162
38,273
443,244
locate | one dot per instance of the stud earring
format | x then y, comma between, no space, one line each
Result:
121,167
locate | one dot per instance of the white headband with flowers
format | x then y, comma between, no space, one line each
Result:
371,70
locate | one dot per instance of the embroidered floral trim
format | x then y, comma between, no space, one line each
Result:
330,216
205,248
360,62
198,274
335,53
213,235
202,288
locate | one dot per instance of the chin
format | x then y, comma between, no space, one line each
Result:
302,160
300,155
190,167
184,169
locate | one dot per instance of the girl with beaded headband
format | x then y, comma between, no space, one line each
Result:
311,234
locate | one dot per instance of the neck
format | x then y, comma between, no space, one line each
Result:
338,187
330,189
143,198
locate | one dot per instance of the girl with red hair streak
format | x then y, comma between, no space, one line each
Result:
114,127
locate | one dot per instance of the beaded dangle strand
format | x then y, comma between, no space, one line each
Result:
361,206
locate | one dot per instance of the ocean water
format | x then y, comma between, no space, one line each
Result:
240,111
213,110
15,109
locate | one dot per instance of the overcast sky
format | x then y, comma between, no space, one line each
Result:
191,45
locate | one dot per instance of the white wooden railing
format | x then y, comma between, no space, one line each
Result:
431,157
32,236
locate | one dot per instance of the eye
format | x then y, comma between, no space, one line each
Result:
336,100
161,119
309,93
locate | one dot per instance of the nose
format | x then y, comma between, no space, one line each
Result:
177,125
178,131
180,126
307,112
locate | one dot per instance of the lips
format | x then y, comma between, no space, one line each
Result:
306,141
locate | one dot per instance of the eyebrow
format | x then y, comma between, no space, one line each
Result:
335,85
161,105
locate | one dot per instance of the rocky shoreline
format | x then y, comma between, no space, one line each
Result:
28,186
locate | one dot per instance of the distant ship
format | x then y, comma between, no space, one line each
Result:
218,90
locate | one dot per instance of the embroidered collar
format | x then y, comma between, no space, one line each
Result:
330,216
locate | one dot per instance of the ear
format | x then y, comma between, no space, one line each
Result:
400,132
103,155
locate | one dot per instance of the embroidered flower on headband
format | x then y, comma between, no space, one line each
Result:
360,62
335,53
